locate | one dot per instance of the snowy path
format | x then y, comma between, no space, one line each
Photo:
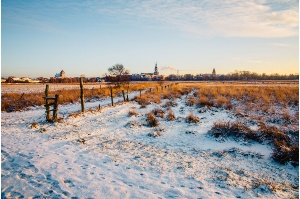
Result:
109,154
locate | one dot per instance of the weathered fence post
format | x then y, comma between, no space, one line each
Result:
81,94
111,96
123,95
127,94
55,108
156,88
140,93
47,107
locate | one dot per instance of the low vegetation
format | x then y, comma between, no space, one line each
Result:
267,105
284,149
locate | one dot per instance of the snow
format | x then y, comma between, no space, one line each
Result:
39,87
109,154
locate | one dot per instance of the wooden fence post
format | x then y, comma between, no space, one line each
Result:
127,94
47,102
140,93
55,108
123,95
81,94
111,95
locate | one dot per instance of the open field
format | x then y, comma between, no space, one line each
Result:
187,140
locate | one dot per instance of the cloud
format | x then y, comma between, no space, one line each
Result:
256,61
168,67
230,18
250,18
280,44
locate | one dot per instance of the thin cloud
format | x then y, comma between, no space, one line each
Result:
280,44
233,18
212,17
168,67
256,61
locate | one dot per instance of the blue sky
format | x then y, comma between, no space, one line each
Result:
40,38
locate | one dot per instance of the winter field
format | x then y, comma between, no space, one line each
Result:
189,140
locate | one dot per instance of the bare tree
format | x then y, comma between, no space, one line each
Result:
119,73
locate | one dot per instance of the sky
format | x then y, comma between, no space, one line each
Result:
43,37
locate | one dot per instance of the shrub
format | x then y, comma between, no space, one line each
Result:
132,112
192,119
34,125
272,133
158,112
227,129
283,153
171,115
190,101
204,101
151,119
170,103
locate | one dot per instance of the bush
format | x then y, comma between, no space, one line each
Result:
171,115
158,112
190,101
227,129
151,119
192,119
283,153
132,112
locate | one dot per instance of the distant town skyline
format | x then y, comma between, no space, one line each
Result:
41,38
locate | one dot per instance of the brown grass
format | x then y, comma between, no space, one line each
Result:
132,113
171,115
152,120
191,118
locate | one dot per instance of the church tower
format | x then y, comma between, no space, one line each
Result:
214,73
156,70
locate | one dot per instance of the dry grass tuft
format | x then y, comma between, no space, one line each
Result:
190,101
192,119
34,125
152,120
132,113
158,112
171,115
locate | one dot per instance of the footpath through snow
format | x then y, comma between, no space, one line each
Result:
109,154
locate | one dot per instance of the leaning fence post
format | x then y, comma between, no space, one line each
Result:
127,93
81,94
123,95
111,96
47,107
55,108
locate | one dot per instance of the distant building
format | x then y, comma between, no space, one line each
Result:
62,74
214,73
156,70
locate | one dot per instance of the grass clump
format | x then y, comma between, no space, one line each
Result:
171,115
152,120
132,113
158,112
191,118
284,149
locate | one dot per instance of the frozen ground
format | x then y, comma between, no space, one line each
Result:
35,88
109,154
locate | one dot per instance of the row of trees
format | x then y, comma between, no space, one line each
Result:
118,74
238,75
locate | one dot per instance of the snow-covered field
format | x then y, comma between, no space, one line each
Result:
110,154
36,88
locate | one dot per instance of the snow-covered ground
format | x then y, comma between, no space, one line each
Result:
36,88
109,154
